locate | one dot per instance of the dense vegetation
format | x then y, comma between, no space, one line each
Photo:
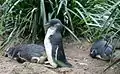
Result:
24,20
91,19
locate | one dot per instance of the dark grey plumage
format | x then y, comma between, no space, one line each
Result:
54,46
102,50
26,52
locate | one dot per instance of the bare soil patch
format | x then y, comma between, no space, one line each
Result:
77,55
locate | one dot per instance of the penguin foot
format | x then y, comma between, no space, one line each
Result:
39,60
64,64
47,62
35,59
101,58
42,59
68,65
49,66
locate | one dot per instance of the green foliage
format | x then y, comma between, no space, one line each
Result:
97,20
26,19
1,2
91,19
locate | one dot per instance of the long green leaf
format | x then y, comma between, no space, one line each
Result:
82,15
60,5
72,34
14,5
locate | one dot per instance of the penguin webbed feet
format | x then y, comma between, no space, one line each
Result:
48,65
39,60
64,64
59,64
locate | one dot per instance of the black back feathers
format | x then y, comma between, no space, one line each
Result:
101,49
25,52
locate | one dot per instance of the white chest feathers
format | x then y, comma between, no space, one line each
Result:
48,46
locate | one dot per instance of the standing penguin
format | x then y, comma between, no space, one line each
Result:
54,46
102,50
27,52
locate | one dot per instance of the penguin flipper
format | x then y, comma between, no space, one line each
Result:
61,58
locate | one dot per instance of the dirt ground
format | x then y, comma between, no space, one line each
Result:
77,55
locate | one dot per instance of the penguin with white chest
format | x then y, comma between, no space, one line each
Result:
27,52
101,49
54,46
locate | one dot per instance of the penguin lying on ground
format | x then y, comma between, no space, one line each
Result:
27,52
54,46
102,50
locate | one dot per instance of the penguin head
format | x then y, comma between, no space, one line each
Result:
93,53
9,52
56,23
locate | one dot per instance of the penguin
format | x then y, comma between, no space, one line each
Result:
54,46
27,52
101,50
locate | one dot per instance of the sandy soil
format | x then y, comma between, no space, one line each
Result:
77,55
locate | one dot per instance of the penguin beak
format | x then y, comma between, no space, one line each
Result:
47,25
